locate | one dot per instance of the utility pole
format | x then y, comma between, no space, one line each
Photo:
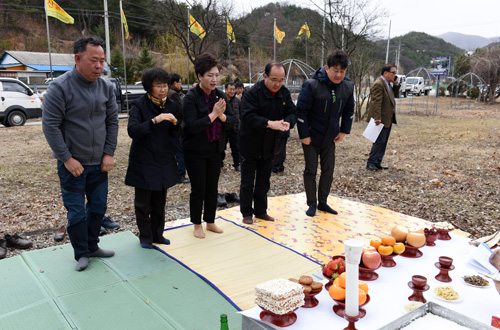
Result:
249,67
323,37
106,29
388,42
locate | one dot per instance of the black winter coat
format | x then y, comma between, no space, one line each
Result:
196,121
258,106
151,164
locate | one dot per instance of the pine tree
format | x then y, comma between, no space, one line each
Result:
144,61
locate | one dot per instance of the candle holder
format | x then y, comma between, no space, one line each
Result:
444,265
352,320
339,308
412,252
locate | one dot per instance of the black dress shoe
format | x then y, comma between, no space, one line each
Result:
18,242
232,198
3,248
60,233
372,167
380,167
221,200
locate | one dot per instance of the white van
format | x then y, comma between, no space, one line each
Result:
17,102
402,84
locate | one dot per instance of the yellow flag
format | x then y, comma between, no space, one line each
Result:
305,29
279,35
230,32
125,25
54,10
196,28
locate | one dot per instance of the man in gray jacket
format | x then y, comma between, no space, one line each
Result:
80,123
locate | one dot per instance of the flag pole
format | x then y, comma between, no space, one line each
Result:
48,40
274,33
228,50
124,61
189,25
307,37
106,30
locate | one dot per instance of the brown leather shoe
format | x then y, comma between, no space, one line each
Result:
18,242
3,248
60,233
266,217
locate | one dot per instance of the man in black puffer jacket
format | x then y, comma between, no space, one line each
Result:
324,100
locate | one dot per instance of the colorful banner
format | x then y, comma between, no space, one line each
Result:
196,28
279,35
230,32
54,10
305,29
125,25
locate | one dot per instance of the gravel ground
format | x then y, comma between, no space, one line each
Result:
443,167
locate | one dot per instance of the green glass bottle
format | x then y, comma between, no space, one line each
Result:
223,322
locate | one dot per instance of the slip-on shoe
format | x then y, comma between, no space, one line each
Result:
372,167
60,233
17,241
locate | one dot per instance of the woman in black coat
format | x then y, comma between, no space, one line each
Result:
152,168
203,137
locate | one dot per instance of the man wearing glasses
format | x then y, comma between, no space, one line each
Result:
266,110
383,110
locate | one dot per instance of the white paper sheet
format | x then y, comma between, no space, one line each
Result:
372,131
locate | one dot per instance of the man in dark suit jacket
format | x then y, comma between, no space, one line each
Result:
266,110
383,110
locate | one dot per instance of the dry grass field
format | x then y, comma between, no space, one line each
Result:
443,167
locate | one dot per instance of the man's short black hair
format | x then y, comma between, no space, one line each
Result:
338,57
174,77
387,68
230,84
269,66
151,75
81,43
239,84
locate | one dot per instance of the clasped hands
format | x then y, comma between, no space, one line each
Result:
218,111
165,116
278,125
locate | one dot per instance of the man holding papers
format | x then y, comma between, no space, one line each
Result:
383,110
324,101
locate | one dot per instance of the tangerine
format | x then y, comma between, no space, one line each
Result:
399,248
362,297
363,286
389,240
386,250
336,292
342,279
336,281
375,243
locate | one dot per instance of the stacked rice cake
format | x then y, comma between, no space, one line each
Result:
279,296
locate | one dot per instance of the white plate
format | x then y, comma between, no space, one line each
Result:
450,301
476,286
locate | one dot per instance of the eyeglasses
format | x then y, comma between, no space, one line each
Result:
393,72
276,81
160,87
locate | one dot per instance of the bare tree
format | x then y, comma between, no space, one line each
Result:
350,22
211,15
362,68
486,64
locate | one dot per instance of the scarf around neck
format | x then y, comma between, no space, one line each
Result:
158,102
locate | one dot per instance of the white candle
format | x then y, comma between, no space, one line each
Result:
353,249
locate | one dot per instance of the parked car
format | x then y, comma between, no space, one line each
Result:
123,98
18,102
417,86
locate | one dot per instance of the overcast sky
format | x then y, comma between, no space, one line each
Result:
434,17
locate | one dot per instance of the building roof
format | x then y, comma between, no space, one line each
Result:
36,58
